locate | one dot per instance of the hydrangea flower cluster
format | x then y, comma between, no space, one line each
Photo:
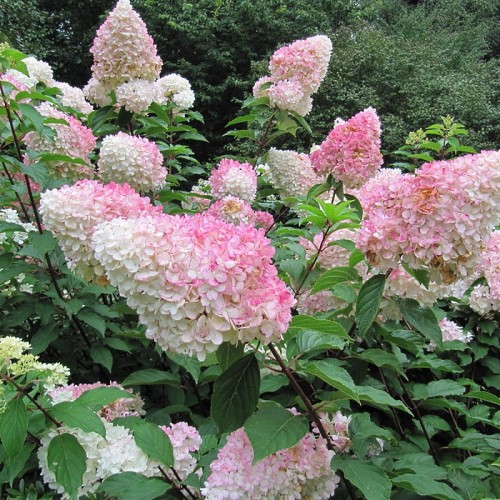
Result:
323,301
131,159
185,440
118,452
237,211
297,71
232,178
489,264
122,407
19,85
302,471
123,51
176,89
18,237
409,215
195,281
351,152
291,172
39,71
21,81
74,98
72,212
73,139
135,95
337,428
481,301
451,331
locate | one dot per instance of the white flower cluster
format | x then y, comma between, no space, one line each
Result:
176,89
291,172
135,95
482,302
39,71
131,159
18,237
74,98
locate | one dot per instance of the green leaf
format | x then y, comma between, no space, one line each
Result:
378,397
333,277
133,486
382,358
424,486
102,356
236,392
151,377
32,115
154,442
368,303
14,427
438,388
96,398
484,396
304,322
274,428
333,375
94,320
16,465
422,319
74,414
271,383
228,353
366,476
36,171
310,340
66,458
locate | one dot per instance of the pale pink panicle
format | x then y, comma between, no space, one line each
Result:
74,98
489,264
297,71
351,152
185,440
302,471
195,281
308,303
409,216
72,212
132,160
73,139
135,95
337,427
291,173
232,178
27,83
17,84
175,89
451,331
126,406
123,50
482,302
238,211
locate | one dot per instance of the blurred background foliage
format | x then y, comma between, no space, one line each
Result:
414,61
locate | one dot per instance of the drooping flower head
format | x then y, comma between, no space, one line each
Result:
195,281
302,471
232,178
132,160
123,49
73,139
72,212
291,173
297,71
351,152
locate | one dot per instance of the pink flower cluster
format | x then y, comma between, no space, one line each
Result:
482,302
302,471
185,440
297,71
122,407
73,139
438,219
451,331
237,211
123,51
232,178
131,159
489,264
351,152
18,85
291,173
195,281
72,212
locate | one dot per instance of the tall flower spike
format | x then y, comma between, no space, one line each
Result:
123,50
351,152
